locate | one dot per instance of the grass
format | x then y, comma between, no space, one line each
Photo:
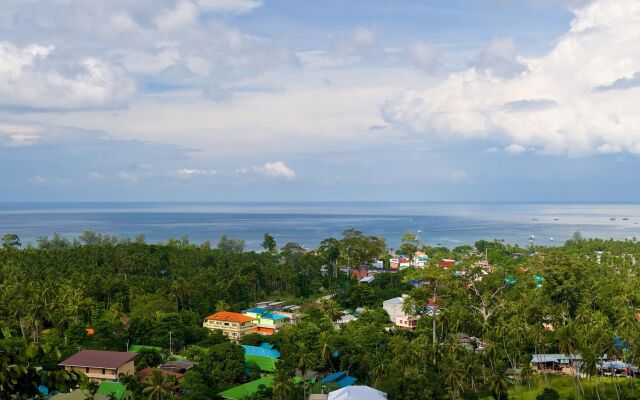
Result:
565,386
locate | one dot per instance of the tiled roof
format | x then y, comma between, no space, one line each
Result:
229,317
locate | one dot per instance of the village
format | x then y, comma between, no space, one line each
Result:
266,318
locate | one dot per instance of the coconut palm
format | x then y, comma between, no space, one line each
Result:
159,387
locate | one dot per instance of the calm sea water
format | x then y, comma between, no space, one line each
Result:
448,224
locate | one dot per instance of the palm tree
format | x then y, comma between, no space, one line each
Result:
499,383
159,387
331,309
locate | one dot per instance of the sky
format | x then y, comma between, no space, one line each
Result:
301,100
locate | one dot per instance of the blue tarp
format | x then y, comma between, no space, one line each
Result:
346,381
260,351
334,377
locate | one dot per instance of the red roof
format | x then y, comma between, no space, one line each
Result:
446,263
99,359
229,317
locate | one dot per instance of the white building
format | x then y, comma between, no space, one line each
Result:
395,308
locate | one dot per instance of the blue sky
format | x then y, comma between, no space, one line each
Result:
241,100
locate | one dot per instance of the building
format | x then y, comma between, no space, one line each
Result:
357,393
232,325
395,308
266,322
100,366
420,259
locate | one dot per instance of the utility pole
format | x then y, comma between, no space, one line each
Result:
170,347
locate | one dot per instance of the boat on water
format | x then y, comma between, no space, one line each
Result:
556,219
625,219
534,219
551,239
612,219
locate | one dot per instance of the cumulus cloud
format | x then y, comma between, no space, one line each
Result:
579,98
31,77
514,149
277,169
191,172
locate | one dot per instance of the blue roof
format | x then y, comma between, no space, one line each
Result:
260,351
257,310
274,316
334,377
266,345
346,381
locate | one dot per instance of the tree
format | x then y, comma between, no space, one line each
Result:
548,394
331,309
159,386
269,243
230,245
409,244
11,241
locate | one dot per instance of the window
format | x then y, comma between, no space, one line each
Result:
86,370
104,372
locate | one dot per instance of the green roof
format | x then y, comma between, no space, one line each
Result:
117,389
134,348
264,363
246,389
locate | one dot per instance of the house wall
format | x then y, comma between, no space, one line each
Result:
104,374
233,330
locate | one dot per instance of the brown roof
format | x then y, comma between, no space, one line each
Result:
98,359
147,372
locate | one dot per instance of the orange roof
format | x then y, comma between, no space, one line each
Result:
229,316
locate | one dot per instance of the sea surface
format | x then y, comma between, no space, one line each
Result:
447,224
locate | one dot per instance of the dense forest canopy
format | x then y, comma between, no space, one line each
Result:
581,297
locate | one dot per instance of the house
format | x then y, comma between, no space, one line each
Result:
341,378
179,366
420,259
367,279
232,325
344,319
446,263
264,356
395,308
557,362
357,393
249,388
99,365
266,322
377,264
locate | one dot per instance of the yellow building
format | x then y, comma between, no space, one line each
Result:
100,366
232,325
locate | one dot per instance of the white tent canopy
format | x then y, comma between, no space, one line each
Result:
357,393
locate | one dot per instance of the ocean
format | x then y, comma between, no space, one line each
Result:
307,223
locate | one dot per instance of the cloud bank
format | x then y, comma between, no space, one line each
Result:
578,99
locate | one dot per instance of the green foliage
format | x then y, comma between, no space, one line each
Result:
10,241
548,394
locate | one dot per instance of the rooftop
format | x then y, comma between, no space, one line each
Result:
229,317
99,359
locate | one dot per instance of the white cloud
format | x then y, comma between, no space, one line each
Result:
37,180
190,172
30,77
423,55
230,6
277,169
183,15
514,149
128,177
578,99
96,176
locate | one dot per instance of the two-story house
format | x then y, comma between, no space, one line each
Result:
100,366
232,325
